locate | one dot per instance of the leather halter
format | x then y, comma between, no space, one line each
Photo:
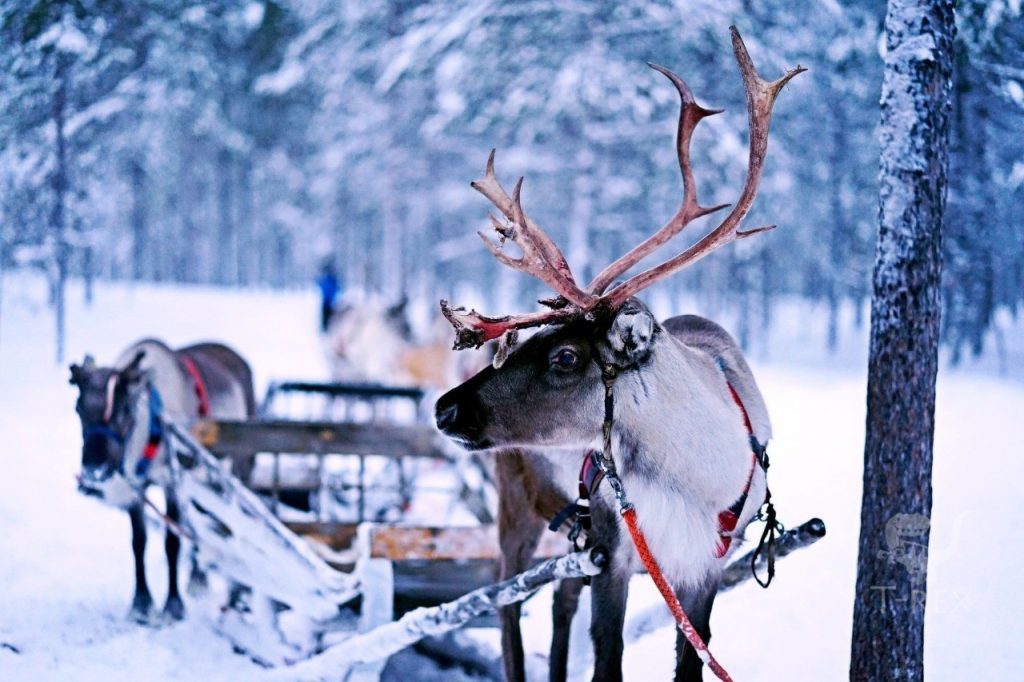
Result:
591,475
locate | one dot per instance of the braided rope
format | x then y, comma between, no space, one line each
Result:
608,373
682,621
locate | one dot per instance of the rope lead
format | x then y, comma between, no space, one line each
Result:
608,374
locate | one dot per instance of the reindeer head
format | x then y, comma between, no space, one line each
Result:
106,406
522,400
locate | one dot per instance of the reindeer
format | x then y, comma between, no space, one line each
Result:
690,424
123,408
370,342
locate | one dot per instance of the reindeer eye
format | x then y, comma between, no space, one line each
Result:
566,358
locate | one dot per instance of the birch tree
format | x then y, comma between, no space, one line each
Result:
889,603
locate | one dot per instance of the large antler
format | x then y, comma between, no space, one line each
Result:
542,259
761,96
690,114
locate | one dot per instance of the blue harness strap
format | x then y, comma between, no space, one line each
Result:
103,431
97,433
156,425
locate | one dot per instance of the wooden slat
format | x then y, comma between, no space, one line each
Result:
229,438
417,543
410,543
368,391
337,536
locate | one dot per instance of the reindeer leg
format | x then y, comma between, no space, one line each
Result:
142,603
519,532
697,603
174,609
563,608
608,594
608,597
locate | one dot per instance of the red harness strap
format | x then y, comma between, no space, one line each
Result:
200,385
591,475
728,518
682,621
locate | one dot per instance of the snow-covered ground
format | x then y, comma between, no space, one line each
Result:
65,561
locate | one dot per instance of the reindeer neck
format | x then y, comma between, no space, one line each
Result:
676,423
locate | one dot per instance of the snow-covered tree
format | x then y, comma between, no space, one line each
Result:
889,602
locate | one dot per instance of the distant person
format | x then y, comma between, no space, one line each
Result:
330,289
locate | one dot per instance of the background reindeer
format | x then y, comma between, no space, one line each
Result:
690,423
371,342
122,409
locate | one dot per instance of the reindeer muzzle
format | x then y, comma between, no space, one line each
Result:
462,419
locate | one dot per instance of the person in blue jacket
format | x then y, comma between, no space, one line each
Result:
330,290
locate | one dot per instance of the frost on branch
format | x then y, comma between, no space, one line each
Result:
415,625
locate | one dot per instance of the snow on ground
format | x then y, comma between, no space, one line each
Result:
65,563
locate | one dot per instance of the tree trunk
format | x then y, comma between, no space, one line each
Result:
140,236
766,283
247,231
225,271
88,274
839,234
889,603
581,215
3,272
57,217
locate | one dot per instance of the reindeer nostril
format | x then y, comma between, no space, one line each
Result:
446,415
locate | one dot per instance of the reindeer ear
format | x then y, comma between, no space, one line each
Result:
631,335
133,372
78,372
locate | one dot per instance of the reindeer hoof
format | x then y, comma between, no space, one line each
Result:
198,585
174,609
142,609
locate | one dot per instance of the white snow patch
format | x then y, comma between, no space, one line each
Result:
281,81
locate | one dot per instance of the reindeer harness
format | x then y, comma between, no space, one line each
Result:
202,395
155,426
592,473
155,435
599,465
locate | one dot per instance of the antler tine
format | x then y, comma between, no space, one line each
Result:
541,257
690,114
472,329
761,96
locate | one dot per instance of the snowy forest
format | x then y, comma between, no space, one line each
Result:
245,143
234,221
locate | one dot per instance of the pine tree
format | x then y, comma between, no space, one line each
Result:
889,603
